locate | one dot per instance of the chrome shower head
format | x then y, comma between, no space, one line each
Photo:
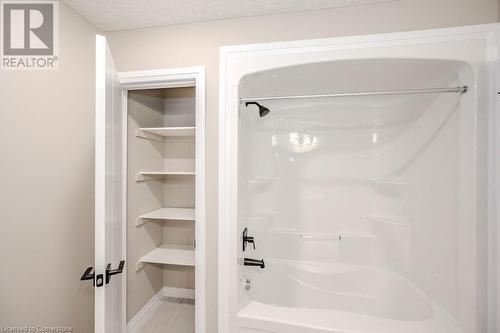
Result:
263,111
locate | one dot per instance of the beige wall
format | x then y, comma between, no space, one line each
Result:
46,191
198,44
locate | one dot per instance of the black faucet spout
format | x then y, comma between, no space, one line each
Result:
254,262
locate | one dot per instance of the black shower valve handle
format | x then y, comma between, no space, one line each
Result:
251,241
247,239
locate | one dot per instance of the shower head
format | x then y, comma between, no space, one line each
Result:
263,111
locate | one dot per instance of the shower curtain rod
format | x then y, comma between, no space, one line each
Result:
461,90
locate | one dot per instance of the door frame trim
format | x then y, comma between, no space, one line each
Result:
177,78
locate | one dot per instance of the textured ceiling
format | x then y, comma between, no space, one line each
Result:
131,14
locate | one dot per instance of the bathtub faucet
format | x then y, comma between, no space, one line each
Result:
254,262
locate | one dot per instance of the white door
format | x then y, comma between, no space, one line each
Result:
109,195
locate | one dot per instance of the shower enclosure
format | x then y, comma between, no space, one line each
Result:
357,184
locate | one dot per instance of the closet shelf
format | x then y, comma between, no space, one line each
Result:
171,254
180,214
152,175
187,214
162,133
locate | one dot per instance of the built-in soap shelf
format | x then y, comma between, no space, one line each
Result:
285,231
386,220
260,183
158,175
263,216
261,180
166,133
390,186
166,214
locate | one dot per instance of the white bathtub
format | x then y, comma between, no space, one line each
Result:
305,297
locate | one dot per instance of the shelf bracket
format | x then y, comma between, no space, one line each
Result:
140,221
147,178
139,265
149,136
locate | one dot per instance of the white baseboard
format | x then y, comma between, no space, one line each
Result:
145,313
178,292
148,309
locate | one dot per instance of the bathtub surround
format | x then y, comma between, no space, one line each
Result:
368,205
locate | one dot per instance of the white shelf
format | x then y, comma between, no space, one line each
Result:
263,216
260,184
386,220
171,254
151,175
260,180
390,186
162,133
181,214
166,173
389,181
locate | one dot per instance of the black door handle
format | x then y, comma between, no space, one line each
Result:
110,272
88,275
